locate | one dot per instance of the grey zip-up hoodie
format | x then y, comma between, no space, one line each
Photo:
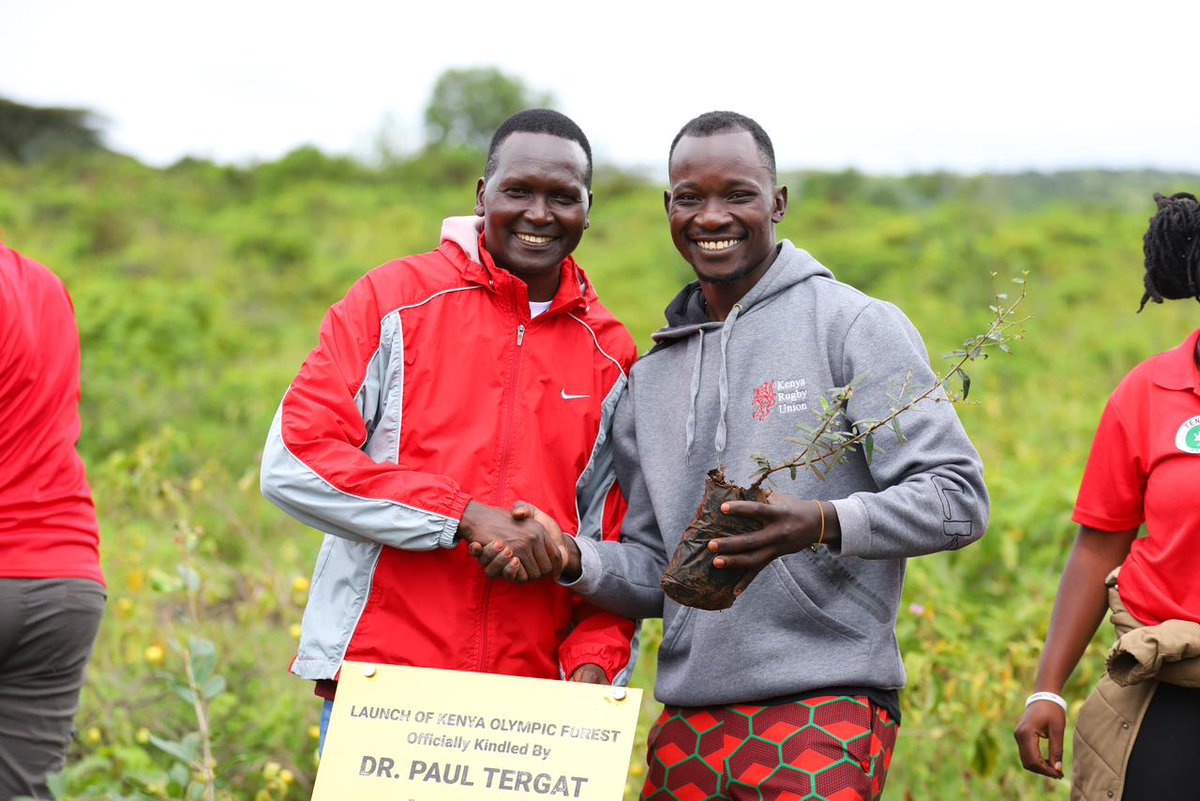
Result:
713,393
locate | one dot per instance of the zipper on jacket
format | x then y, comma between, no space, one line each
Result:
510,403
502,485
483,626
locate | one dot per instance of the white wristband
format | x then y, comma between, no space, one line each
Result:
1054,698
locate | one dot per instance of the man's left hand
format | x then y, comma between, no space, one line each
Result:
589,674
789,525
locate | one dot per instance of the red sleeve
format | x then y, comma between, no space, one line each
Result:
313,467
598,638
1114,481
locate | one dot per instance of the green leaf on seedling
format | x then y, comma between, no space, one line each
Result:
183,691
181,774
204,658
183,751
212,688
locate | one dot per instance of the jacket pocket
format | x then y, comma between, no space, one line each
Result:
849,586
809,607
679,621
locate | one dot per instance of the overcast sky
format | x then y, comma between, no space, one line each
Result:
879,86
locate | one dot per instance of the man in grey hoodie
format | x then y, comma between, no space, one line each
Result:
794,688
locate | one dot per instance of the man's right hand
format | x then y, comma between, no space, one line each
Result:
1042,720
532,549
498,561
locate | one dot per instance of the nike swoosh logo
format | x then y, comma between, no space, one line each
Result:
565,396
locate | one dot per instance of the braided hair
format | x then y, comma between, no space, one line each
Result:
1172,248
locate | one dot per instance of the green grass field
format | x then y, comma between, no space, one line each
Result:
199,290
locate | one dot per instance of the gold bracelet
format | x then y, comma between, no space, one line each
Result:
821,536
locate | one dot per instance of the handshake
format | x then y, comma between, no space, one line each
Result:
521,545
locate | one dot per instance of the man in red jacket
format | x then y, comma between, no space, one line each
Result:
445,387
51,588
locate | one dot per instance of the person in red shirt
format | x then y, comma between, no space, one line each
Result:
1144,468
446,386
52,591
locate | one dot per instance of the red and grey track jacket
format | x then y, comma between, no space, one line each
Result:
431,387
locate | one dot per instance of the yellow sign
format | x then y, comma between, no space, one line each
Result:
417,734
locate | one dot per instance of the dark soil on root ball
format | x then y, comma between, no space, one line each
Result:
690,578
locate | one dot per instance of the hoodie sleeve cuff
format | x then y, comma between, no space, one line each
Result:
591,568
856,527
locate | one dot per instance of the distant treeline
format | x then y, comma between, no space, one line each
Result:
1127,190
1121,189
30,133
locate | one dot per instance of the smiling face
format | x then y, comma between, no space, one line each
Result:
723,206
535,207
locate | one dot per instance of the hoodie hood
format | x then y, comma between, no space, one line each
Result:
687,315
464,232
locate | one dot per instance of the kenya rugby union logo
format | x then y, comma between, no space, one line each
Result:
1187,439
785,396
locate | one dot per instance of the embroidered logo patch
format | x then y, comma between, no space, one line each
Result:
1187,439
764,400
786,396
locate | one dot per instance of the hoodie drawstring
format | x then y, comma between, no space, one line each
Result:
690,428
723,383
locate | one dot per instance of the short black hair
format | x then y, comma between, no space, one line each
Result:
538,120
1172,249
715,122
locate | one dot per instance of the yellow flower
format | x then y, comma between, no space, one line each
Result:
155,654
295,631
142,735
124,607
300,584
91,736
286,777
136,580
314,732
271,770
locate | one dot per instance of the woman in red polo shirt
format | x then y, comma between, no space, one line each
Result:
1144,468
51,587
